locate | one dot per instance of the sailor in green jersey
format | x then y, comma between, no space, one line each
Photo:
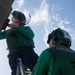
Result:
20,42
59,58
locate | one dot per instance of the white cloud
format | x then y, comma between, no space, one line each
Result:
41,14
20,2
18,5
63,22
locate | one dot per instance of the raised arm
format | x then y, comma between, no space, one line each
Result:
26,31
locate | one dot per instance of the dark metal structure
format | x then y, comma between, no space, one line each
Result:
5,9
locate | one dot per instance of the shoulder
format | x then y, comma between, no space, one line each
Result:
48,50
46,53
27,28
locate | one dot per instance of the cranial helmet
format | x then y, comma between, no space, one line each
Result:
60,34
20,16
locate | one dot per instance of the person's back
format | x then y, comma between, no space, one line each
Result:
64,61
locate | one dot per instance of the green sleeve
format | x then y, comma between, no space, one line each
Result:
26,31
3,34
42,65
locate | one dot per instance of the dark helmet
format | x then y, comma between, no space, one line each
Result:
60,34
20,16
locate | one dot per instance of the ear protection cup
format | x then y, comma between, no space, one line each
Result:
55,36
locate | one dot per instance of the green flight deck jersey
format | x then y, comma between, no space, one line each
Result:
58,60
19,37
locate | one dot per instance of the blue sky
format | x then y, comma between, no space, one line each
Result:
46,15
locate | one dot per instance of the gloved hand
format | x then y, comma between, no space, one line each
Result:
13,25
